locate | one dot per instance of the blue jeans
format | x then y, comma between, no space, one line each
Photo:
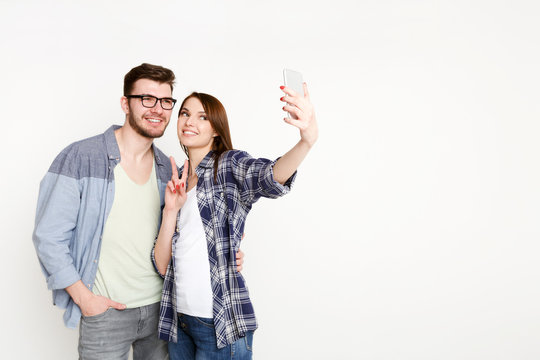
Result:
197,341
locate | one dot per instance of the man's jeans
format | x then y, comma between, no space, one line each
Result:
197,340
110,335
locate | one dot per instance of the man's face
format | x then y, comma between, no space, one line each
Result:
148,122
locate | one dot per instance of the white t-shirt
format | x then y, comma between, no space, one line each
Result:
192,267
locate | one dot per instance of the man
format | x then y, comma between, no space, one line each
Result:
96,223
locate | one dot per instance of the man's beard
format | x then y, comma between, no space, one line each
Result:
142,131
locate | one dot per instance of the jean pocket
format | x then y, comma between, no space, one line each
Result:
248,339
205,321
97,316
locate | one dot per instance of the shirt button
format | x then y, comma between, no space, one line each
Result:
177,230
95,261
88,285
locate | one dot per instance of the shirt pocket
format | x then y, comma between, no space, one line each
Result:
221,211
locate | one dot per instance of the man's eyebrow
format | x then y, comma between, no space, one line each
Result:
165,97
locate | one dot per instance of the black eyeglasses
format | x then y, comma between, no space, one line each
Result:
150,101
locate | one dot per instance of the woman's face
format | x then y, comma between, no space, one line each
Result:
194,128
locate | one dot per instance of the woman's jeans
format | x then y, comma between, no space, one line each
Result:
197,341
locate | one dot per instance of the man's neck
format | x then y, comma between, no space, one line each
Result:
132,144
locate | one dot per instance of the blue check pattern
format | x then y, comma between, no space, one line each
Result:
224,205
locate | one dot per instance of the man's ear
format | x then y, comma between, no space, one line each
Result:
124,104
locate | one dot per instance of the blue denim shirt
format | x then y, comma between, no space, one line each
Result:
75,198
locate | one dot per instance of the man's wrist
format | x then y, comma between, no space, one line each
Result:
79,293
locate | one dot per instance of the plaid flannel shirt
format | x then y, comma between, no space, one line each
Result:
223,206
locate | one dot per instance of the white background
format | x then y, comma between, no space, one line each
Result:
412,230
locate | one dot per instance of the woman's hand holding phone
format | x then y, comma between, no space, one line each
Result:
302,109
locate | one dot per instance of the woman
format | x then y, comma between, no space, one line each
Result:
205,308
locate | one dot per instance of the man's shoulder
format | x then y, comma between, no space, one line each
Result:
92,146
82,152
164,165
161,155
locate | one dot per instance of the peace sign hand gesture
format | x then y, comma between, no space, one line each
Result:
175,193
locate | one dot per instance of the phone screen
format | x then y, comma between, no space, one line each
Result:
293,79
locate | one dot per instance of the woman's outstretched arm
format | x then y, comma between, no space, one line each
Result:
302,108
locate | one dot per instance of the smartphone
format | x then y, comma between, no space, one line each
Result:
293,79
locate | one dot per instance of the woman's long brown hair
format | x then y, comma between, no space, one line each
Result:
216,114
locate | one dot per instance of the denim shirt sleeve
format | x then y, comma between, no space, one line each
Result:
255,177
56,218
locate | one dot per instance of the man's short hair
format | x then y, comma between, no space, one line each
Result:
148,71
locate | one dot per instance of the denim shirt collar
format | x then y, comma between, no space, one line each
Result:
111,144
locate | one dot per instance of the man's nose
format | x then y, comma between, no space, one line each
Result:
157,107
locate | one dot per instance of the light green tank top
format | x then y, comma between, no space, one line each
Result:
125,271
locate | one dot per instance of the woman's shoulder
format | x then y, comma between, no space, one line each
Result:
234,155
234,162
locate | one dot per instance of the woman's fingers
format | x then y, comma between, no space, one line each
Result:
291,96
182,189
293,110
185,171
174,169
171,187
239,259
296,123
288,91
306,92
180,183
291,92
291,100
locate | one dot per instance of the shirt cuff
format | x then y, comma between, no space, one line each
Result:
63,278
274,188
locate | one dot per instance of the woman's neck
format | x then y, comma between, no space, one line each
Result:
195,157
